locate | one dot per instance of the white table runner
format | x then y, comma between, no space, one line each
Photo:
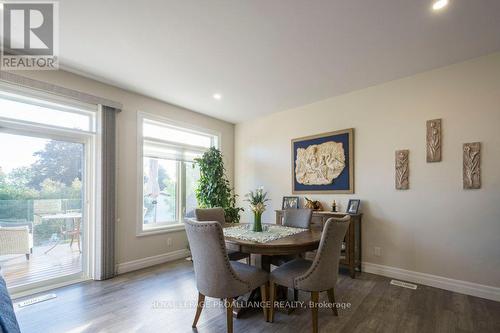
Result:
269,233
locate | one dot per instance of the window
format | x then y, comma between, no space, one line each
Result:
27,109
169,174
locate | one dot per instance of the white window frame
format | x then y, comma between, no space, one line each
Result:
179,225
89,139
51,101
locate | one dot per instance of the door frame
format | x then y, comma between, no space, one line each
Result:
89,141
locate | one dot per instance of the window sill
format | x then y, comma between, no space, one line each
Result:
160,230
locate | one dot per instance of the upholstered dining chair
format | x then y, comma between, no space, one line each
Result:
216,276
317,275
217,215
295,218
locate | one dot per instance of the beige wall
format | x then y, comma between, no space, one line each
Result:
128,246
436,227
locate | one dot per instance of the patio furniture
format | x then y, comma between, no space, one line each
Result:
216,276
73,232
71,229
217,215
15,240
44,207
314,276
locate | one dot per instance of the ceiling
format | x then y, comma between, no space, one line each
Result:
265,56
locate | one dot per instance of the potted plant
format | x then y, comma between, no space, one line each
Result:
257,201
213,188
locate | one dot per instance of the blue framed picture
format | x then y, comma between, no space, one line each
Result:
323,163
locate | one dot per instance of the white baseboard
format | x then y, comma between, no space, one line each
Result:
459,286
134,265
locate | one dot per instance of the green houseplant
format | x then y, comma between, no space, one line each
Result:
213,188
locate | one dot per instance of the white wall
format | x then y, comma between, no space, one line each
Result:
129,247
436,227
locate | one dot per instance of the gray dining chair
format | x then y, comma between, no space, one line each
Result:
216,276
217,214
317,275
295,218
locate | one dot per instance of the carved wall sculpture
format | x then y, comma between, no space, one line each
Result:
319,164
402,170
434,140
472,165
323,163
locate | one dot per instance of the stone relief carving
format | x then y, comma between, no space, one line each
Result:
472,165
434,140
319,164
402,170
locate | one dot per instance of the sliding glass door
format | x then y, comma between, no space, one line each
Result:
46,177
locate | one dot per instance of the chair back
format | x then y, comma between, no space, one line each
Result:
210,214
297,218
16,223
322,275
214,275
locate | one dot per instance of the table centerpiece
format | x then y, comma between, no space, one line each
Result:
257,202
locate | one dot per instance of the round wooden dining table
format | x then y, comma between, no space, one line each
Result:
302,242
308,240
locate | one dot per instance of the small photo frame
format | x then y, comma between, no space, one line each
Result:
353,206
290,203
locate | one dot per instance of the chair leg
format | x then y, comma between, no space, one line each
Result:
229,315
314,310
249,260
331,299
272,298
295,295
264,295
199,307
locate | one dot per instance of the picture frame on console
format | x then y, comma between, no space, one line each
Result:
323,163
353,206
290,203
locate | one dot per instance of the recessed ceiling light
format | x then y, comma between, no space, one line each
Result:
217,96
439,4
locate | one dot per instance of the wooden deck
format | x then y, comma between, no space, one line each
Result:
60,261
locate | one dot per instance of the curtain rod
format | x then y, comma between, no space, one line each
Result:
57,90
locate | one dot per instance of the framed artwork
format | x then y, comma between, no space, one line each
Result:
353,206
290,203
323,163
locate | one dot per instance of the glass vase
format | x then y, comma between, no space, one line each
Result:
257,222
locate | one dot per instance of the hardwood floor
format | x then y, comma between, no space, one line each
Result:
140,302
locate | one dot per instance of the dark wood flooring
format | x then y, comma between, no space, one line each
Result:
162,298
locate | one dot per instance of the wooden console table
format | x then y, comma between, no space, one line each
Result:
351,254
